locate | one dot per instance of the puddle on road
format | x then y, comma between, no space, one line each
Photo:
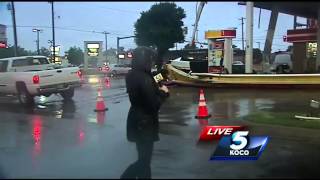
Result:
182,105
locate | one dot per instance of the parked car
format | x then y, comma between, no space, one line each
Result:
282,63
104,68
29,76
238,67
237,63
118,69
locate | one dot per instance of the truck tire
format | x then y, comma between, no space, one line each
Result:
68,94
23,95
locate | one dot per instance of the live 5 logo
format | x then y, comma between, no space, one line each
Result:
235,144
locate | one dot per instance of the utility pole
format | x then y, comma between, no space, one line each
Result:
242,23
14,29
37,31
105,34
53,36
118,50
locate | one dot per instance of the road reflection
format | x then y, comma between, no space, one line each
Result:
36,134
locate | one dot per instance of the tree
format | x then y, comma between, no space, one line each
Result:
257,55
111,52
9,52
44,52
160,27
121,49
75,56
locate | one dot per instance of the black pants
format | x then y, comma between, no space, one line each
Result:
141,168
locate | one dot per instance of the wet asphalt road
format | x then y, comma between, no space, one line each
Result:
57,139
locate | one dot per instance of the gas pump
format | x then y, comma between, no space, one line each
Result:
220,51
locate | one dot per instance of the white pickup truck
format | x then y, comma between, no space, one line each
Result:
29,76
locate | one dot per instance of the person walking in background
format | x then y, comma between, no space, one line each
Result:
146,97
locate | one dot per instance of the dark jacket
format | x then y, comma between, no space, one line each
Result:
146,99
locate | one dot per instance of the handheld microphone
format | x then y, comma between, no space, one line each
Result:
161,76
158,78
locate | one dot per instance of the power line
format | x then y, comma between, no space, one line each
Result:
71,29
118,10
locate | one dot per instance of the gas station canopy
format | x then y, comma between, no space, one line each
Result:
301,9
214,34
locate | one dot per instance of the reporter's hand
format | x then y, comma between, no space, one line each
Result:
164,88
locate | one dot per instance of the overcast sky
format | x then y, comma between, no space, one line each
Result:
118,19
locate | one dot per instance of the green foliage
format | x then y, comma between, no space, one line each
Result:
161,26
75,56
9,52
282,119
44,52
257,55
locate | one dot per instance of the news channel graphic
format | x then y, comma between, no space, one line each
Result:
234,142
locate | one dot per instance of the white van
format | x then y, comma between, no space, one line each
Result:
280,61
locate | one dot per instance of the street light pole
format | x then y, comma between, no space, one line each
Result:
105,34
118,50
38,47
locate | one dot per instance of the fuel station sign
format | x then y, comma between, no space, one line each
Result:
216,51
93,49
220,51
216,34
56,50
93,55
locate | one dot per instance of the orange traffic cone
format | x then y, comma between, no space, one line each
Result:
202,108
100,102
